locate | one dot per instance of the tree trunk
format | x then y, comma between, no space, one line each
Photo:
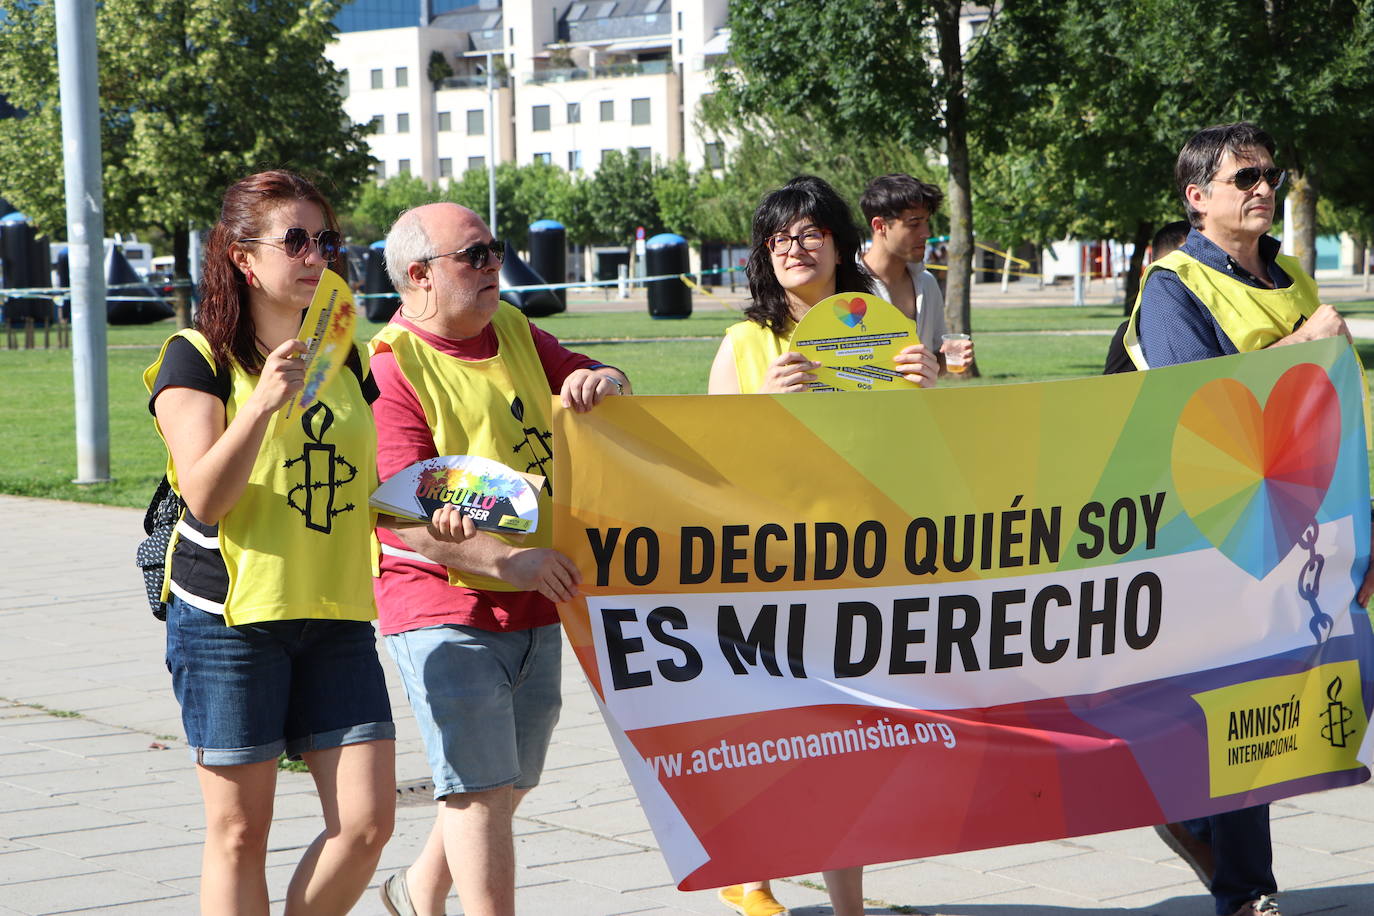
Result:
1357,260
181,275
1144,230
1303,195
959,203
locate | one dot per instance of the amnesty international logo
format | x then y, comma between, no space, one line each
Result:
1337,716
1275,729
325,472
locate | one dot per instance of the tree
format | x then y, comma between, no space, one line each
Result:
676,195
439,68
863,71
380,203
1109,92
1075,135
193,96
620,198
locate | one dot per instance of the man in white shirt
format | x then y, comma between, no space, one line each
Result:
898,209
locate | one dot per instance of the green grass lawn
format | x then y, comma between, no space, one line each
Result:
38,450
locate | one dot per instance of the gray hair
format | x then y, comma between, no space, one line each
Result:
406,243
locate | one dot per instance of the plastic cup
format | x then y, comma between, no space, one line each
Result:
954,357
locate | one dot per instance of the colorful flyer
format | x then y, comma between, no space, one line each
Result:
328,333
494,496
854,337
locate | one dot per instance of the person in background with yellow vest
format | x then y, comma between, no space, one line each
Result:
269,635
472,627
1228,290
805,247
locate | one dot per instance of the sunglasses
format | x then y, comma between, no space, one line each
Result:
810,240
1248,177
296,242
477,255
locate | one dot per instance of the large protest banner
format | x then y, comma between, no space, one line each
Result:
838,629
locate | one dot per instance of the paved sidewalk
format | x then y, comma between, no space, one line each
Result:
99,809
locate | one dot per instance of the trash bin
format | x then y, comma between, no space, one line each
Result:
666,253
21,252
549,255
381,302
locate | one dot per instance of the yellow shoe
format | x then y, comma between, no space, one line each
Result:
756,903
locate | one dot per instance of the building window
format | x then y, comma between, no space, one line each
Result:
642,153
574,160
402,166
546,158
445,121
639,111
402,77
376,79
379,171
608,110
403,124
477,162
715,156
574,112
476,122
377,124
445,168
343,84
541,117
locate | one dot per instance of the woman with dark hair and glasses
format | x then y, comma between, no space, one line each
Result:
269,635
805,247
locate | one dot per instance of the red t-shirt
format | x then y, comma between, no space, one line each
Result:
412,592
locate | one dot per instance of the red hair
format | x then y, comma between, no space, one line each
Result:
223,316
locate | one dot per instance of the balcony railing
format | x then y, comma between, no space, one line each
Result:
475,81
563,75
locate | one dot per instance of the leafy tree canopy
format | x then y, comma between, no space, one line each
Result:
194,94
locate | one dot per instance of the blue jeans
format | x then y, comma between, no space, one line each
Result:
250,692
486,702
1244,855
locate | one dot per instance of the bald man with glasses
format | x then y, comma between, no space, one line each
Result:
474,632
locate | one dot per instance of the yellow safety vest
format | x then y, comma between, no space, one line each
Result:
296,545
497,408
754,348
1253,318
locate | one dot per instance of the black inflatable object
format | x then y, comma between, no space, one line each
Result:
666,253
549,254
135,304
383,301
24,261
533,302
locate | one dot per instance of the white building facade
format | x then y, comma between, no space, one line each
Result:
572,81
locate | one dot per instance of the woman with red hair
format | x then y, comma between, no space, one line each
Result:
269,635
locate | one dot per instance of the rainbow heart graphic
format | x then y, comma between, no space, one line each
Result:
1252,478
851,313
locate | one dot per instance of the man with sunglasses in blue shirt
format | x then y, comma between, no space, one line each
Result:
473,630
1227,290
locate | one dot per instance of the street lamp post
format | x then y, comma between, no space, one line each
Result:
491,143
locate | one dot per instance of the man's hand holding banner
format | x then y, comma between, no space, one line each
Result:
832,630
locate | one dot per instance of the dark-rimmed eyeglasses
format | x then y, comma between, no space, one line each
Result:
477,256
296,242
1246,178
810,240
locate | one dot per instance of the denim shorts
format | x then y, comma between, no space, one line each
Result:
486,702
250,692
